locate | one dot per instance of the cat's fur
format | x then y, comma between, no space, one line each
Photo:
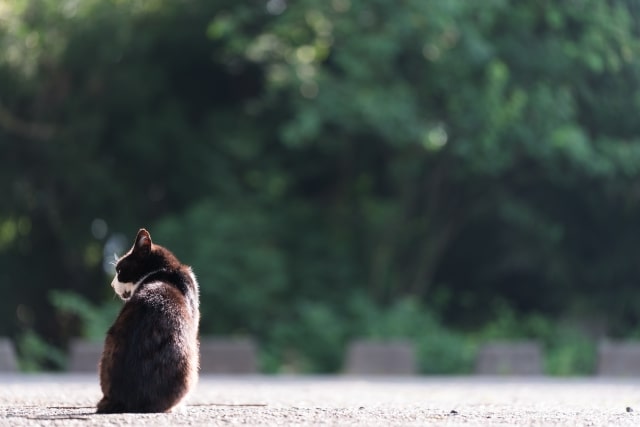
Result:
151,352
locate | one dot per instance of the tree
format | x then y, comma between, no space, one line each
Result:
305,154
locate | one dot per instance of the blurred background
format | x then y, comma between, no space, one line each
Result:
448,172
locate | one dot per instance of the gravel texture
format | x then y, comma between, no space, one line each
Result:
68,400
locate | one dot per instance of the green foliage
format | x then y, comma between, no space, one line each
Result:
568,349
36,354
313,339
316,337
570,352
95,320
430,158
439,349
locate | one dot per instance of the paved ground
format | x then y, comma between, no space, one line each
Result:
68,400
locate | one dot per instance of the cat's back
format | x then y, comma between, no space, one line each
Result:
160,306
164,330
153,345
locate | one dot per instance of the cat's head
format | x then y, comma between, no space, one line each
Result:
143,259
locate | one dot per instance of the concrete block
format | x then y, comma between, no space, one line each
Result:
373,357
222,355
8,360
618,359
84,356
510,358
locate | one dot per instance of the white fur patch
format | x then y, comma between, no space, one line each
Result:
124,290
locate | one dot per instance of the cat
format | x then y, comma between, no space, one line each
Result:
150,359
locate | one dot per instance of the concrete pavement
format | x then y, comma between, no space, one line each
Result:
68,400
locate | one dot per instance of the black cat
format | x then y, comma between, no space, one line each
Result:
151,352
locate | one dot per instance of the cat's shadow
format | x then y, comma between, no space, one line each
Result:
89,411
71,415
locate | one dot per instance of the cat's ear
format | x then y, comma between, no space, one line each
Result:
143,242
